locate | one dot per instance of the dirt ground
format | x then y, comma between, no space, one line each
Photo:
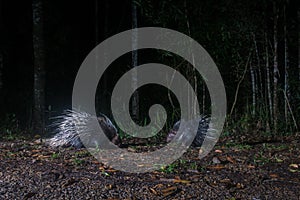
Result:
233,170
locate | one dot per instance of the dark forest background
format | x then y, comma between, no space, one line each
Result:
255,44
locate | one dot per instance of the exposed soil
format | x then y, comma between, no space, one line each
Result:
258,170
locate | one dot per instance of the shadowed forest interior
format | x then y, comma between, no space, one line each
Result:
254,44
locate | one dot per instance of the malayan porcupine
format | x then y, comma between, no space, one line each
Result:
72,122
201,132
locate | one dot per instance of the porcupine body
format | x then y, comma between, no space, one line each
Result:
71,123
201,132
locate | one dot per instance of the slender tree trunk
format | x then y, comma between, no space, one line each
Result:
260,81
1,72
299,42
193,101
1,82
203,97
1,54
238,86
286,71
275,70
298,19
38,124
96,31
269,92
135,97
98,98
96,23
253,84
259,75
105,95
101,98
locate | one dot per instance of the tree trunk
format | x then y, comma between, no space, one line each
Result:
1,72
105,95
1,54
38,123
299,42
253,84
286,71
99,97
259,76
102,98
135,96
96,23
275,70
298,13
203,97
193,102
269,92
1,82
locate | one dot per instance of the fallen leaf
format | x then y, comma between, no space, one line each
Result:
153,191
239,185
230,159
294,166
131,149
193,171
217,167
279,160
43,157
226,180
158,186
95,162
167,179
251,166
293,170
182,181
169,191
109,186
111,170
274,175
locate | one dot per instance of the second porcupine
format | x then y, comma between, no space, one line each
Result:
72,122
201,132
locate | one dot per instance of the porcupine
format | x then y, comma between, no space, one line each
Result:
72,122
201,132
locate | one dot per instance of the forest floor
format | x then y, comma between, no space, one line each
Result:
261,169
